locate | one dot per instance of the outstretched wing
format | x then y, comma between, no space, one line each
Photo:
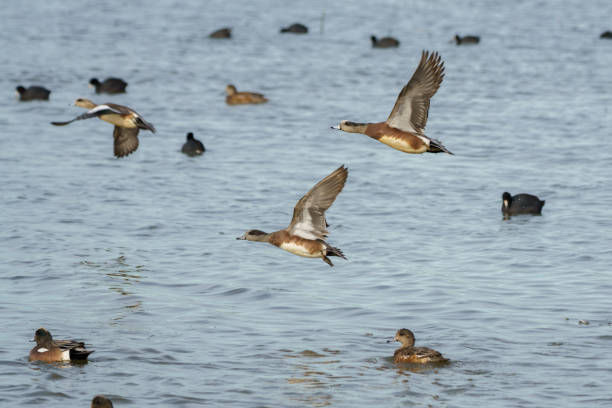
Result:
95,112
309,213
412,105
125,140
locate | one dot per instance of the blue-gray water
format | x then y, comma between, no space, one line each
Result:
138,256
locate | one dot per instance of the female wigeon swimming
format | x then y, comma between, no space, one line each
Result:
221,33
127,123
295,28
521,204
385,42
403,129
100,401
410,354
305,235
467,39
192,147
32,93
50,351
109,86
240,98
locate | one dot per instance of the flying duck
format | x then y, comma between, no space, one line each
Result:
127,123
403,129
305,235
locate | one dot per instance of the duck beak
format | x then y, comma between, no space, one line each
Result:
335,127
241,238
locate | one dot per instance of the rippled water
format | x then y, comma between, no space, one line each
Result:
138,258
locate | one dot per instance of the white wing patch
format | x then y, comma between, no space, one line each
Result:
102,107
66,355
42,350
304,228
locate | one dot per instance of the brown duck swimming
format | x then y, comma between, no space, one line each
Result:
305,235
100,401
127,123
49,350
403,129
241,98
410,354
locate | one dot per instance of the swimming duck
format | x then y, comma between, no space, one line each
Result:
221,33
468,39
49,350
193,147
32,93
521,204
606,34
385,42
305,235
240,98
100,401
127,123
410,354
295,28
109,86
403,129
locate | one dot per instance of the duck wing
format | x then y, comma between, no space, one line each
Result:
309,213
125,140
412,105
93,113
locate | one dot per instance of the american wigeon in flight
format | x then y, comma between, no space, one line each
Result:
295,28
192,147
100,401
305,235
407,353
127,123
109,86
521,204
403,129
221,33
33,93
241,98
50,351
467,39
385,42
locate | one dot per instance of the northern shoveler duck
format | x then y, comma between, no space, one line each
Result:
241,98
50,351
221,33
410,354
127,123
33,93
109,86
100,401
295,28
385,42
192,147
468,39
521,204
403,129
305,235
